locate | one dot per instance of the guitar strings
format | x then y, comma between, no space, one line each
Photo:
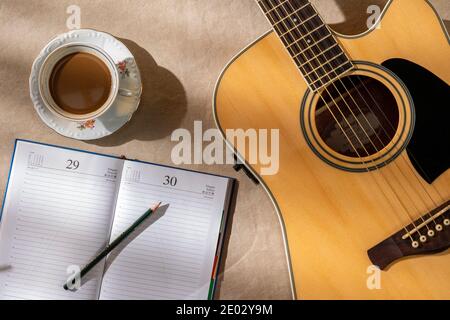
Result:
351,143
371,127
356,118
411,155
408,164
430,232
374,146
409,167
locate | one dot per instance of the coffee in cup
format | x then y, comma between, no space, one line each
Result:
80,82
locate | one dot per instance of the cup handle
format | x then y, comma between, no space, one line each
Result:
128,93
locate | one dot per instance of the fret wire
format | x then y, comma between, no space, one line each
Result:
317,66
299,14
316,57
334,70
312,76
323,85
303,67
275,6
302,38
291,14
330,61
323,52
271,18
338,55
309,33
307,51
296,11
306,27
305,48
297,26
328,28
321,71
281,33
306,35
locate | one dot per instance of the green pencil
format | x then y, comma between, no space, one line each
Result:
110,247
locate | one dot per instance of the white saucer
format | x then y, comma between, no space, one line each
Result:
123,107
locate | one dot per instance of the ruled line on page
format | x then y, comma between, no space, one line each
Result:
173,258
55,216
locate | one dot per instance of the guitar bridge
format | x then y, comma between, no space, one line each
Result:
429,234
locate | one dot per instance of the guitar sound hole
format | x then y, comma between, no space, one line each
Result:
357,116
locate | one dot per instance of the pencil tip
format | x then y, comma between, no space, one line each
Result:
157,206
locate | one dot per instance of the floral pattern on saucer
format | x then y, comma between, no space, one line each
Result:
122,109
123,69
90,124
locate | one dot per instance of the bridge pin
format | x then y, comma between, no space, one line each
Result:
431,233
423,239
415,244
439,227
447,222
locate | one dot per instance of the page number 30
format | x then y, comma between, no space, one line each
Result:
170,181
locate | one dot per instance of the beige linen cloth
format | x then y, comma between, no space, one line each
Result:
181,47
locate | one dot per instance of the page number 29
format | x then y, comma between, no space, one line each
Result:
170,181
73,164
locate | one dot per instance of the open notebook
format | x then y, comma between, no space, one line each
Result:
62,206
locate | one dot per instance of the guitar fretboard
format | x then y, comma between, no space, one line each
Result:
308,40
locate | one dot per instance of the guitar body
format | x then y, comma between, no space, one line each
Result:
332,214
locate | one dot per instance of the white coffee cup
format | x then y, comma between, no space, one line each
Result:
52,60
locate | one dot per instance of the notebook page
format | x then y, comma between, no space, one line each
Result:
172,258
58,213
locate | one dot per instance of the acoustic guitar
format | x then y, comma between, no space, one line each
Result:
363,185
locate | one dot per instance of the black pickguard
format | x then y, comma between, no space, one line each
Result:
429,148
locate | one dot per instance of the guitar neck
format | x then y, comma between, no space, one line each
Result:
308,39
